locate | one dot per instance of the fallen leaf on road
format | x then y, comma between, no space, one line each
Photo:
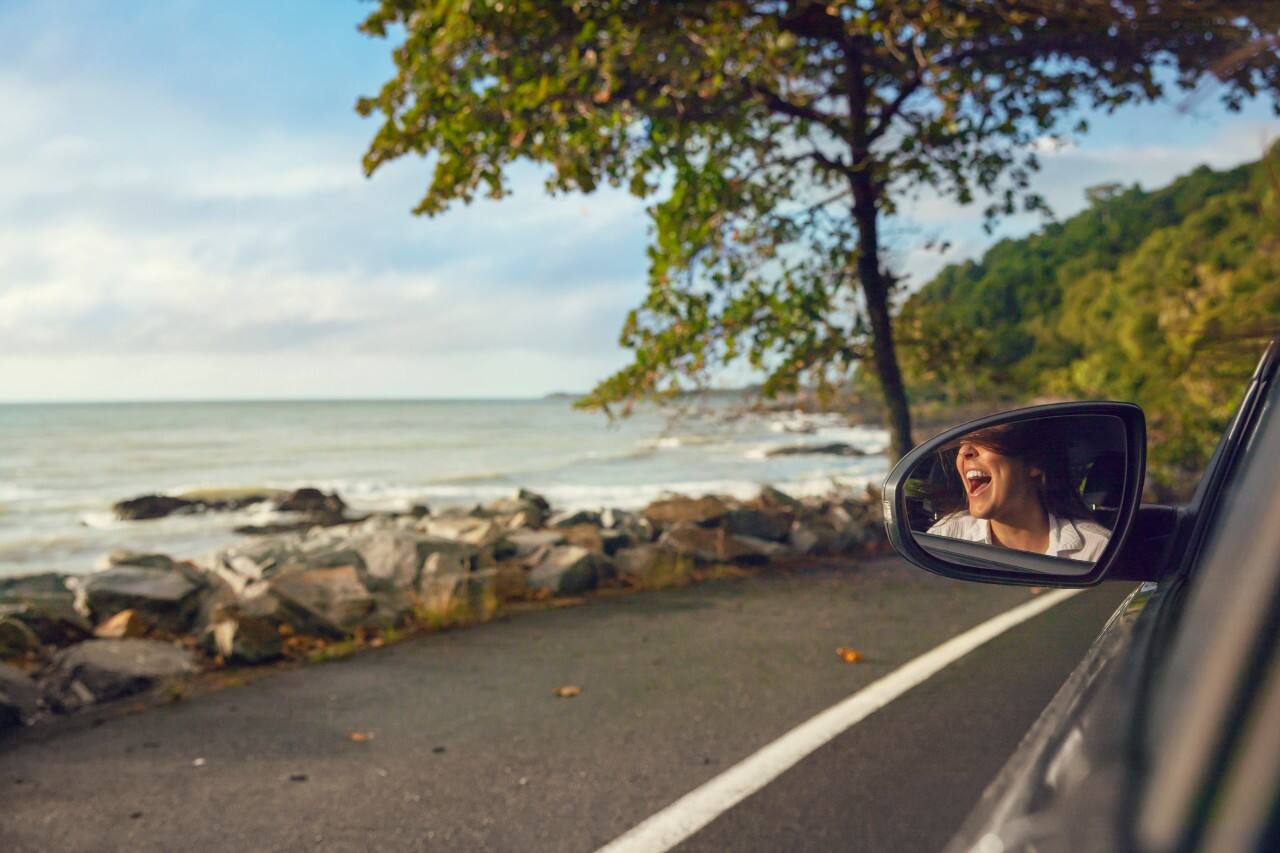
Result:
568,691
849,655
199,762
568,602
1035,590
361,737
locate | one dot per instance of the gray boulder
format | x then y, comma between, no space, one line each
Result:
216,598
808,537
566,570
638,561
765,549
447,599
165,597
245,639
528,542
641,529
391,607
19,697
17,639
265,557
710,545
312,502
147,507
125,557
614,519
245,562
393,559
481,532
529,513
771,498
633,524
259,602
330,601
575,518
533,498
445,563
46,605
837,448
681,510
36,587
531,519
857,537
655,567
613,541
745,521
100,670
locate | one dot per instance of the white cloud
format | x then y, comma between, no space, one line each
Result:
204,243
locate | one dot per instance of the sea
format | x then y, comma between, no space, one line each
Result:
62,466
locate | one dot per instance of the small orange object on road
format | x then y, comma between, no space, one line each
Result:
849,655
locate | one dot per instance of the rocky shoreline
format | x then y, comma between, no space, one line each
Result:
321,583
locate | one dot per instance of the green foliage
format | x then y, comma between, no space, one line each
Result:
771,137
1163,298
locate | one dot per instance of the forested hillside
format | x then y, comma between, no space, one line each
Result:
1164,298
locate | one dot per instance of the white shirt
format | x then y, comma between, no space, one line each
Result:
1073,538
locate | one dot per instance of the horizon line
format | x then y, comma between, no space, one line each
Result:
136,401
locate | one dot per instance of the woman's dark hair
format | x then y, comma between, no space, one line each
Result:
1036,443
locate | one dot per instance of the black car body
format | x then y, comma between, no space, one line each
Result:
1166,736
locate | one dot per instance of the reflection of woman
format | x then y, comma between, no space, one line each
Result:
1016,494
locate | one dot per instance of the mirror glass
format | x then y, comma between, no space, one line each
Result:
1037,495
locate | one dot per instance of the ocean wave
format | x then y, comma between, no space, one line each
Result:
16,492
101,520
477,477
671,442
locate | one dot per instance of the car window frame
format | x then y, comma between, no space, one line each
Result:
1157,738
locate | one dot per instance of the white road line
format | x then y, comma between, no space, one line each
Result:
699,807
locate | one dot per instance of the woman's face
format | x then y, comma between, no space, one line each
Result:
997,487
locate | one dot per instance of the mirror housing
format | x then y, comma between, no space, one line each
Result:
971,560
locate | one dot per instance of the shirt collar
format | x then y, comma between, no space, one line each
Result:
1063,535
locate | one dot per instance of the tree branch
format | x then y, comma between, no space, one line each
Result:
779,104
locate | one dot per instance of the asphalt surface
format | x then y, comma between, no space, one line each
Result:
466,748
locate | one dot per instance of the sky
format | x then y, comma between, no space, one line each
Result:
183,216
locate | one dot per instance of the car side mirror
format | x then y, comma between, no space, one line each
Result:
1044,495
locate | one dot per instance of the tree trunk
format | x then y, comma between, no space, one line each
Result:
875,290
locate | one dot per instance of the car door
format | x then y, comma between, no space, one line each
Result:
1211,722
1164,737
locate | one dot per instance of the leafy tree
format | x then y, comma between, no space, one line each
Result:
775,136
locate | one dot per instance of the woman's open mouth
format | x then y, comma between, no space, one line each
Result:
975,481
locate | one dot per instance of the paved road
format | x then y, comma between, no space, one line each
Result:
471,751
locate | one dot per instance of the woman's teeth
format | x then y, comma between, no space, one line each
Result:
975,480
